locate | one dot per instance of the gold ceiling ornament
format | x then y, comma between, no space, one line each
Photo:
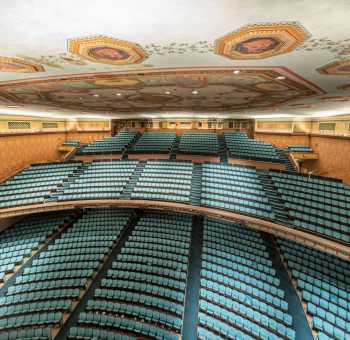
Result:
261,41
337,68
9,64
107,50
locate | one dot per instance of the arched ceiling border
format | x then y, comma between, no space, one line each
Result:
305,238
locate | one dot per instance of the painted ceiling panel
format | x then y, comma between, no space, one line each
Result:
78,55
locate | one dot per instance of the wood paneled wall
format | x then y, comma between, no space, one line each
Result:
333,152
20,150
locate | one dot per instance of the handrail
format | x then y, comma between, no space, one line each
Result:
303,237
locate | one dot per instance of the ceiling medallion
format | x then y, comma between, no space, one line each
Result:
337,68
261,41
107,50
18,65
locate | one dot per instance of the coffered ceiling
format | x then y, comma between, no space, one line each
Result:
223,58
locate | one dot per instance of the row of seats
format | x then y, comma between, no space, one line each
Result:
199,143
235,296
110,145
316,204
154,142
24,237
324,282
143,286
101,179
224,186
35,183
240,146
45,289
168,181
299,148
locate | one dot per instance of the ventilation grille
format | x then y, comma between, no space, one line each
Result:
327,126
19,125
50,125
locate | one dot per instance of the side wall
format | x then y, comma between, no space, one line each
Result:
333,152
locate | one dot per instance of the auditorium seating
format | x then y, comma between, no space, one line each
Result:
144,289
110,145
235,188
199,143
101,179
72,142
324,283
164,181
316,204
299,148
240,146
48,287
154,142
35,183
24,237
240,295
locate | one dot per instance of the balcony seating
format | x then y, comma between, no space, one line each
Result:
299,148
199,143
240,146
110,145
143,291
164,181
315,203
47,288
154,142
235,188
240,295
35,183
101,179
324,281
24,237
72,142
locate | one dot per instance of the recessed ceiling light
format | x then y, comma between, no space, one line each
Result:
118,94
96,95
13,106
280,78
194,92
167,92
236,71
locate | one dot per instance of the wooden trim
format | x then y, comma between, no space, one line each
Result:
258,164
90,158
197,158
303,237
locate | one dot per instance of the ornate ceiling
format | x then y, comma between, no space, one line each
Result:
224,57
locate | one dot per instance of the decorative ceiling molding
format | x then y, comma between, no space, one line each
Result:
337,68
8,64
107,50
261,41
217,88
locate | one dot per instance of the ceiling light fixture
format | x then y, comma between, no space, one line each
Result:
194,92
236,71
167,92
96,95
118,94
280,77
